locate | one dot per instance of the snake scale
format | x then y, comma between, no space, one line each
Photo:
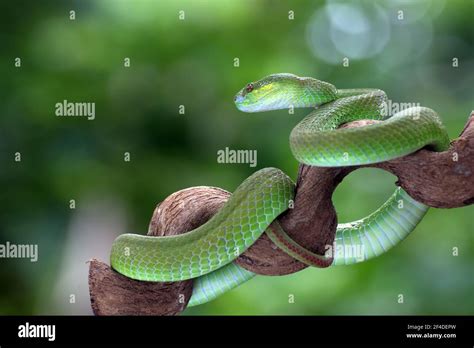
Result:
207,252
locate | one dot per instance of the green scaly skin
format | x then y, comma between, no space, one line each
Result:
207,252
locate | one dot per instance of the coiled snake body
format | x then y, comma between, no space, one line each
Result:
207,252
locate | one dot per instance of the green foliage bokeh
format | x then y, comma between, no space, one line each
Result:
191,63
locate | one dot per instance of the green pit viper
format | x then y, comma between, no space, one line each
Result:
207,252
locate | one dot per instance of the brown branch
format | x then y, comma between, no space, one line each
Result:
112,294
443,180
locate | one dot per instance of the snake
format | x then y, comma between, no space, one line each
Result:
207,253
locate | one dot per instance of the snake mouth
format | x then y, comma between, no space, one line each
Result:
238,98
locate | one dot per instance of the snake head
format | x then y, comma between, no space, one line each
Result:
282,91
265,94
249,99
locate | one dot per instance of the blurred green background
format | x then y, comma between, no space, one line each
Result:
190,62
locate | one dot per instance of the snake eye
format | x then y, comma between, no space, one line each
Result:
249,88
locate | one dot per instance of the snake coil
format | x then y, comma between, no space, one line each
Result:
206,254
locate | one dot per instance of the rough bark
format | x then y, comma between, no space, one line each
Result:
113,294
442,180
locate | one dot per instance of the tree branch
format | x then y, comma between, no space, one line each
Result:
442,180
